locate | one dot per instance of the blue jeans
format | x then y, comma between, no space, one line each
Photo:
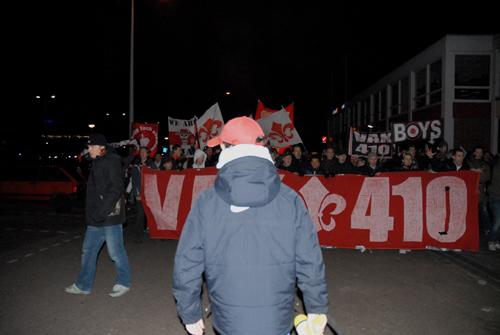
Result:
494,235
94,239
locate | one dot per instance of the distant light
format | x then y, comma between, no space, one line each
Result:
75,156
158,122
123,114
343,106
91,126
55,157
52,96
20,154
38,97
228,93
46,142
166,138
50,157
370,126
107,114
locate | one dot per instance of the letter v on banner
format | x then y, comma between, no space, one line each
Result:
165,214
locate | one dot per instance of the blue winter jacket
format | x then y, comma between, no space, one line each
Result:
252,260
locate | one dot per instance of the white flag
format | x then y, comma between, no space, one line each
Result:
182,133
209,125
279,129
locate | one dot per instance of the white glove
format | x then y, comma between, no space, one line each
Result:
312,324
317,323
196,328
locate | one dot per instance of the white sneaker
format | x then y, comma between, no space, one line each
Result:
492,246
73,289
119,290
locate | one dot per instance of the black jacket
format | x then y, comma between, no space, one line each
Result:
105,205
367,170
345,168
328,166
452,167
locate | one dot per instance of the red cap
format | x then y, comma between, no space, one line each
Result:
240,130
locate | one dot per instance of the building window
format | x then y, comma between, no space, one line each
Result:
436,82
383,104
395,98
472,77
420,88
405,95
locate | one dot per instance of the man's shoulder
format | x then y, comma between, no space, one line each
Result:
288,193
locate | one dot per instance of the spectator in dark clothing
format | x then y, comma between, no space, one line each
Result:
417,159
407,163
355,160
211,157
139,225
438,160
494,205
343,166
477,164
314,167
167,165
457,162
372,167
157,162
286,163
329,162
298,160
178,159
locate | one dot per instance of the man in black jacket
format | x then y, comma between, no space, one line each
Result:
105,215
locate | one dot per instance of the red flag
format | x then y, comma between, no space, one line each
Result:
263,111
146,135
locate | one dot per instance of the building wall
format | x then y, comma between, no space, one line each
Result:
434,92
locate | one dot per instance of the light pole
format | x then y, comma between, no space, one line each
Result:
131,76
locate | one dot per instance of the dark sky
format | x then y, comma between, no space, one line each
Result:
188,53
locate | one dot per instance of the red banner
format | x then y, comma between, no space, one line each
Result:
391,211
146,135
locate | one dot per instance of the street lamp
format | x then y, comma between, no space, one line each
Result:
228,93
91,126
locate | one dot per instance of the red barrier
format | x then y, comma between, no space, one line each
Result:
390,211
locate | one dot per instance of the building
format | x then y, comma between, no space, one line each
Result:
457,80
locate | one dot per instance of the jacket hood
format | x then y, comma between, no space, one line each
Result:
197,154
248,182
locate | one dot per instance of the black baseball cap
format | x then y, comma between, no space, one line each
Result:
97,139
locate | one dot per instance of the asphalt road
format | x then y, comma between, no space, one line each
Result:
375,292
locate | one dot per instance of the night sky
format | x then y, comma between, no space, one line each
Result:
188,53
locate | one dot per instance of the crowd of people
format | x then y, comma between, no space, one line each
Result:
331,162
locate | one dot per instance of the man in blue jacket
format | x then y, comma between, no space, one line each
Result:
253,239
